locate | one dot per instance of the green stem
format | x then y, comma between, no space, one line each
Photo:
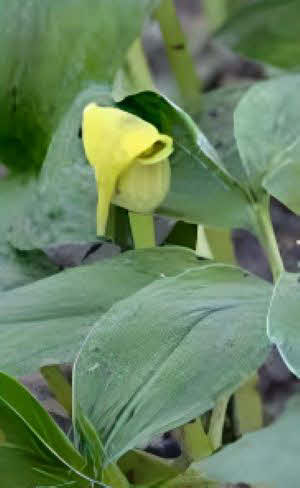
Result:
215,432
215,244
143,230
180,60
194,443
247,408
139,76
203,249
58,385
138,67
267,237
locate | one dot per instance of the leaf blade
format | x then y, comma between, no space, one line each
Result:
146,375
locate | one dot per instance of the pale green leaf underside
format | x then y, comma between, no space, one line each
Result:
284,319
47,320
163,356
18,267
266,124
267,458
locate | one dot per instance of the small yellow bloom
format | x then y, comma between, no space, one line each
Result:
129,156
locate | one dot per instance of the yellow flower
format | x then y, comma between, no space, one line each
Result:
129,156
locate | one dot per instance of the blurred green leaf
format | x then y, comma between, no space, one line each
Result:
267,133
164,355
62,208
18,267
45,322
49,52
266,458
215,119
266,30
202,191
283,320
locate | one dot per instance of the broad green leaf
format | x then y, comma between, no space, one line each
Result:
49,52
164,355
202,191
266,129
283,319
266,30
46,321
17,402
266,458
18,267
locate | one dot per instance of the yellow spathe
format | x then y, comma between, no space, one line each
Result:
129,156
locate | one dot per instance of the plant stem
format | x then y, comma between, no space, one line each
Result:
215,432
267,237
194,442
215,244
139,77
138,67
180,60
58,385
134,75
203,249
143,230
248,410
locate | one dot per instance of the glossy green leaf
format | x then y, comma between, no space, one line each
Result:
266,129
202,191
22,469
266,30
283,319
266,458
18,400
18,267
49,52
33,449
46,321
164,355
